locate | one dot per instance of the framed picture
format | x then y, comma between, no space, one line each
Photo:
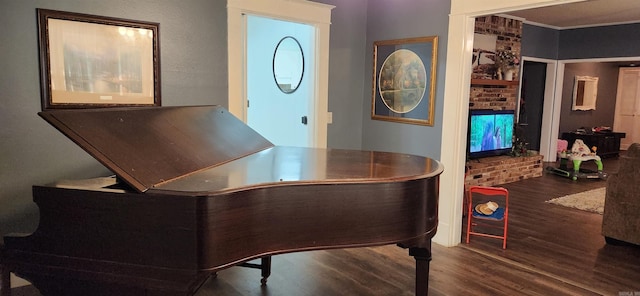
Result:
404,80
484,56
89,61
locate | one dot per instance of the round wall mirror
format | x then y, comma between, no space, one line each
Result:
288,64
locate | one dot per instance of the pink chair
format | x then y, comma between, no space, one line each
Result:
490,210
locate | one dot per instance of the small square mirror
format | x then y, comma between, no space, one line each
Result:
585,93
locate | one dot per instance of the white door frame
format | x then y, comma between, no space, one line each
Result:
315,14
550,109
456,105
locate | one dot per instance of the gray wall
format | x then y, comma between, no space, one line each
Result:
193,71
193,36
603,115
539,42
599,42
396,20
585,43
594,42
346,65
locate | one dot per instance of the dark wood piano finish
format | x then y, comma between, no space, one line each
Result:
198,191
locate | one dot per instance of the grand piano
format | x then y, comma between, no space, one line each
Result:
195,191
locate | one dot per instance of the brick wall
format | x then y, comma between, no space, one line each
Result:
509,36
498,170
508,31
493,97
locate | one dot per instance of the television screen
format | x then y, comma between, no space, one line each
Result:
490,132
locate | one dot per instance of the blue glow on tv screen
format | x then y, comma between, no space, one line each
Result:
490,132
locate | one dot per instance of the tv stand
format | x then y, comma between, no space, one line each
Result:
608,143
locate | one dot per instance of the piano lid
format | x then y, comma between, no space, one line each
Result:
148,146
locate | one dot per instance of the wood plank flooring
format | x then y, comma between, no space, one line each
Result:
551,250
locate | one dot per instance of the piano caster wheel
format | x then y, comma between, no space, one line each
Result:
263,281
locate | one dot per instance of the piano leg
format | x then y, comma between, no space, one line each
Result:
423,257
265,268
5,281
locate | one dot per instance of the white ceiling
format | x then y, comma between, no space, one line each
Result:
582,14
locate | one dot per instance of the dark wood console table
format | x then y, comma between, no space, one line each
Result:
608,143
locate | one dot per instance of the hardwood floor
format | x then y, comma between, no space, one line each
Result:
551,250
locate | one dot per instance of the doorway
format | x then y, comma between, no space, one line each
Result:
531,102
316,15
627,112
283,116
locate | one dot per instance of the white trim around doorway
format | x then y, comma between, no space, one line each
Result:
315,14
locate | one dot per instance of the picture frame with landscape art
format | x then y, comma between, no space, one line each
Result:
89,61
404,80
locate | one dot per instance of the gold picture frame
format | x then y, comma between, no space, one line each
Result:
89,61
404,80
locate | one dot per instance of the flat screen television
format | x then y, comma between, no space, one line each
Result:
490,132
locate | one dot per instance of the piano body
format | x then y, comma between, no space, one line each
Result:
196,191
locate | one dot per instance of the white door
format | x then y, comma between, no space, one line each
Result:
280,104
314,14
627,114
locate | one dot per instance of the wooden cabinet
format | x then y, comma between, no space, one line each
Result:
608,143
